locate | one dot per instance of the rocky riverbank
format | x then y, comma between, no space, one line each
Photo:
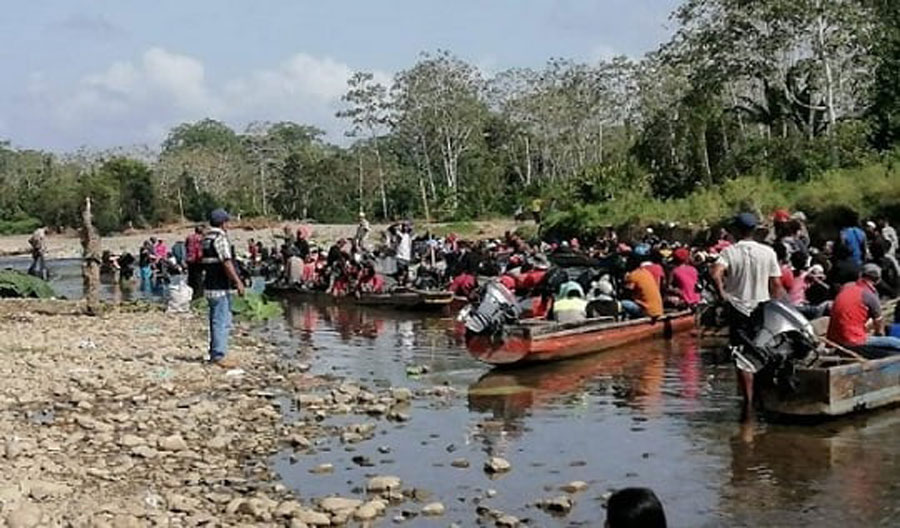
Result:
116,421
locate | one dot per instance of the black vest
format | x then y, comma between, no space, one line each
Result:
215,277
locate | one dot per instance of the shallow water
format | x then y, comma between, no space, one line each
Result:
661,414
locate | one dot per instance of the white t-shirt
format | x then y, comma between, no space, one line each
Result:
748,267
404,248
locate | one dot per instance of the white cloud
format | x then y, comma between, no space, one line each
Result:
139,101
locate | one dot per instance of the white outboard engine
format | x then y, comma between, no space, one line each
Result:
779,337
498,307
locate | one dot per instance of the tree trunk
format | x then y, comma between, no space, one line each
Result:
424,201
380,168
528,168
90,244
360,168
829,75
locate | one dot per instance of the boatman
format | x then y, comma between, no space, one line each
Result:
746,274
220,282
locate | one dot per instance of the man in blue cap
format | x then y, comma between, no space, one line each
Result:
220,282
746,274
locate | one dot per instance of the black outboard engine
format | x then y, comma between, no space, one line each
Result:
778,339
498,307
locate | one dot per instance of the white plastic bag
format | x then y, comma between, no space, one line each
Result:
180,295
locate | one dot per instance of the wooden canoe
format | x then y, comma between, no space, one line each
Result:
538,340
400,299
835,388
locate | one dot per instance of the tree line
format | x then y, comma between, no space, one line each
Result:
788,89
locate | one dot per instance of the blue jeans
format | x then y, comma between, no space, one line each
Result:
146,274
219,326
632,309
888,342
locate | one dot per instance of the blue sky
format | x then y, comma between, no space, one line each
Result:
103,73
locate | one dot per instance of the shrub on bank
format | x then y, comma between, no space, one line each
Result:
871,190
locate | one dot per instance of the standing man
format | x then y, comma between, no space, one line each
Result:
404,253
746,274
362,232
38,243
194,247
220,282
889,234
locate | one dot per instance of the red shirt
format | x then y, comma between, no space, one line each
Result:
463,285
656,270
372,284
529,281
684,278
194,246
853,307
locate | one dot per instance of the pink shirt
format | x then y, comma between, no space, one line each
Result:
797,291
684,278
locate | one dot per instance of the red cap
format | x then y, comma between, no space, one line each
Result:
509,282
682,254
781,215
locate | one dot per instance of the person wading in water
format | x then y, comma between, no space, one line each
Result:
746,274
221,280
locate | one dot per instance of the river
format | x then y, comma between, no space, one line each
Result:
662,415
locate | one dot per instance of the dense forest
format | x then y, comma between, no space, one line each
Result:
771,100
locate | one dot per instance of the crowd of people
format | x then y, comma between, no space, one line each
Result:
571,280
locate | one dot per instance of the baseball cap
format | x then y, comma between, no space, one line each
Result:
872,271
746,220
682,254
781,215
218,217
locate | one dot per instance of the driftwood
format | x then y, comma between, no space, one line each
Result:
90,268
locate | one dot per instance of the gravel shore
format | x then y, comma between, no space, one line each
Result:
116,421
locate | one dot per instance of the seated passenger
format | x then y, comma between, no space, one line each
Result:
369,280
683,286
464,285
570,306
854,306
646,299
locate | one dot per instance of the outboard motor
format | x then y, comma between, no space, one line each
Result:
779,338
498,307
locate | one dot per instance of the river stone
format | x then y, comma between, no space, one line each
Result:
434,509
559,505
383,483
25,516
172,443
296,523
41,490
575,486
401,394
144,451
507,521
180,503
311,518
336,505
299,441
287,509
366,512
130,440
460,463
497,465
13,448
322,469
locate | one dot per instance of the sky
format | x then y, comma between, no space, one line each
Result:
107,73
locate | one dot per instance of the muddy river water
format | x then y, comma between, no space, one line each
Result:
662,415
